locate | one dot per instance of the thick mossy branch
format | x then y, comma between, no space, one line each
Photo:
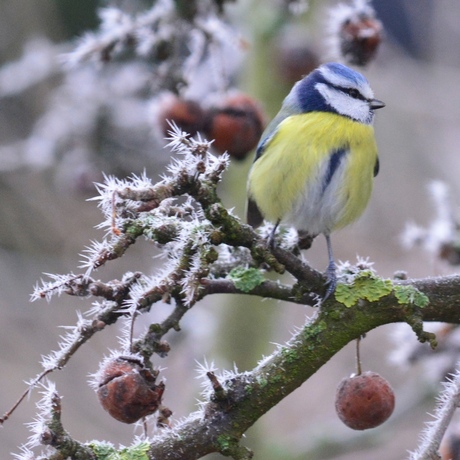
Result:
54,434
242,399
251,394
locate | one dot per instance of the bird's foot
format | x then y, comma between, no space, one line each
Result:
331,280
271,239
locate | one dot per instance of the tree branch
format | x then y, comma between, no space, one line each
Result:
267,289
251,394
235,402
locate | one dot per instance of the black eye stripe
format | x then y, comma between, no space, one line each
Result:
353,92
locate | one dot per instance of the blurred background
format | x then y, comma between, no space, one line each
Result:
62,126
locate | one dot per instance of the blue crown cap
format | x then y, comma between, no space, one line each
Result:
346,73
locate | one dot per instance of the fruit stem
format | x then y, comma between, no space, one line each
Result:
358,357
131,332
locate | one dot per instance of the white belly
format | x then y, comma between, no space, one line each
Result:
319,208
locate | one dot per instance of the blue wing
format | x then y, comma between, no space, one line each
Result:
376,166
334,162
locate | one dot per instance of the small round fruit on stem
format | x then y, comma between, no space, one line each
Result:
364,401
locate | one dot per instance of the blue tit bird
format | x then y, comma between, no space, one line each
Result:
316,160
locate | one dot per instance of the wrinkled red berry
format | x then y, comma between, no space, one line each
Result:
186,114
364,401
235,125
127,390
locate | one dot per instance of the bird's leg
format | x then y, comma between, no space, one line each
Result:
271,238
330,271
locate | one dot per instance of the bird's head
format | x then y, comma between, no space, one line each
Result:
335,88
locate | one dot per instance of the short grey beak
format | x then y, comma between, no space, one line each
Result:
376,104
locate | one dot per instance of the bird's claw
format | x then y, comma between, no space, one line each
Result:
331,281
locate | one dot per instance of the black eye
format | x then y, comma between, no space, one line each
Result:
354,93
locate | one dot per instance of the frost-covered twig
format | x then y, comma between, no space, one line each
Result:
115,295
70,343
119,29
49,431
175,42
448,402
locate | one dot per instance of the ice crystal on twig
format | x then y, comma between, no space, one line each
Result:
119,30
93,256
109,199
68,341
202,368
48,390
101,307
210,377
181,142
25,454
60,284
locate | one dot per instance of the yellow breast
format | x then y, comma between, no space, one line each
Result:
290,176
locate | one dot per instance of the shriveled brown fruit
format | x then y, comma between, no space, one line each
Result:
364,401
128,391
235,125
185,113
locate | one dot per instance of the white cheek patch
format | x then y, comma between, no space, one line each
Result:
346,105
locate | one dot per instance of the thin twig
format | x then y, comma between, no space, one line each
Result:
449,401
33,384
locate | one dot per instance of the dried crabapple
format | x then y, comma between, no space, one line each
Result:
364,401
127,390
185,113
235,125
